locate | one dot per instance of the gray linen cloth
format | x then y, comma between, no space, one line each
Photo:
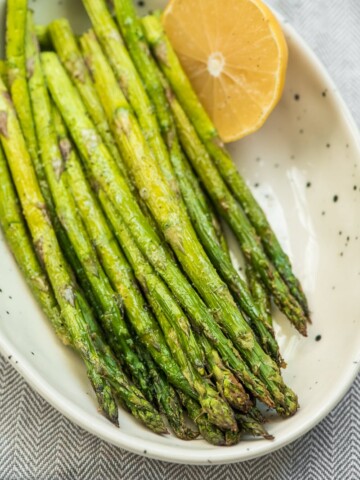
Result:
38,443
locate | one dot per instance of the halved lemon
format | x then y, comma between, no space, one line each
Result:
235,54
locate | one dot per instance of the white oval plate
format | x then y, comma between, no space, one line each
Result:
304,168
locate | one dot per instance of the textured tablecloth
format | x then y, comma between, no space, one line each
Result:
38,443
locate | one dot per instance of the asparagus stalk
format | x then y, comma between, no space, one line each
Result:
17,236
54,165
170,65
262,299
104,394
175,224
226,381
108,178
252,427
16,69
74,310
117,268
209,432
65,45
201,215
108,35
111,41
112,259
237,286
167,398
217,410
236,218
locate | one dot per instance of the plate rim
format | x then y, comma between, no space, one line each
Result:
171,453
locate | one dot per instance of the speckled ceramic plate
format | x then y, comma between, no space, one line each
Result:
304,167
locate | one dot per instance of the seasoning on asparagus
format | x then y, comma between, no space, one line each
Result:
209,432
54,166
170,65
74,309
108,178
234,215
178,231
167,398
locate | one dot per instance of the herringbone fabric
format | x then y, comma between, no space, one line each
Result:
38,443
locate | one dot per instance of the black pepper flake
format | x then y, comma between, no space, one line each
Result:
317,338
297,97
324,93
301,131
7,312
340,232
328,145
256,185
335,198
341,254
141,3
9,357
0,290
355,187
323,213
308,185
145,452
10,297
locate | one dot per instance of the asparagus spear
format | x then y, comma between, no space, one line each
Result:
114,262
167,398
17,236
238,221
226,381
209,432
111,41
74,310
17,66
16,69
104,394
117,267
252,427
65,45
263,302
201,214
175,224
207,133
108,35
237,286
54,165
109,179
218,412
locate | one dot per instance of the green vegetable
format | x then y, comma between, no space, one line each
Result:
54,166
176,227
74,309
109,179
207,133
